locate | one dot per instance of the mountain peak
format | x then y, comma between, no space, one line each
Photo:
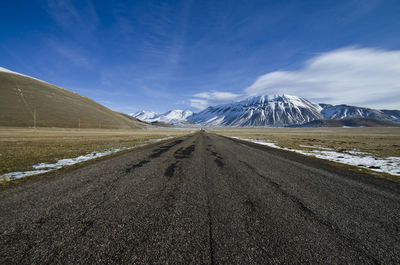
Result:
268,111
144,115
171,117
262,110
278,100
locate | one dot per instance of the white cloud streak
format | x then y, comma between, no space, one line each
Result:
72,18
205,99
366,77
357,76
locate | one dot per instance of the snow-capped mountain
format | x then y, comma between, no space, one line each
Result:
174,117
338,112
274,111
144,115
260,111
393,113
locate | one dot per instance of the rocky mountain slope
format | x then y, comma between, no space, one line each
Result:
260,111
344,111
174,117
287,110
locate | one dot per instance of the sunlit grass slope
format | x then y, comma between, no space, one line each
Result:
21,97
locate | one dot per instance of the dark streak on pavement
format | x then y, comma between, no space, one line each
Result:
169,172
182,153
202,199
163,149
140,164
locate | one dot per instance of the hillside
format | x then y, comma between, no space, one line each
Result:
21,97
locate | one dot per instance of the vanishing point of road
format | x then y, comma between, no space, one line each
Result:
202,199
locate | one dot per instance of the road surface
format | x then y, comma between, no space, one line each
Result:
202,199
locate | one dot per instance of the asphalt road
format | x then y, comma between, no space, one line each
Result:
202,199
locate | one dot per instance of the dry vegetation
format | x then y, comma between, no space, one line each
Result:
25,102
380,142
20,148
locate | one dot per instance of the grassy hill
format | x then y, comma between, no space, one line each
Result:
23,98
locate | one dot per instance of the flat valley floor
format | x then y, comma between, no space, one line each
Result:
202,199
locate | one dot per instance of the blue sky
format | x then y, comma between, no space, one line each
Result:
161,55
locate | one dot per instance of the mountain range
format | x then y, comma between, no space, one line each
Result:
278,111
260,111
173,117
26,101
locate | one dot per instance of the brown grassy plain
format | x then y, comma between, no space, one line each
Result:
20,148
380,142
377,142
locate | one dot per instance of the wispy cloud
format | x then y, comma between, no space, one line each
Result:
64,12
71,52
166,37
78,22
355,9
67,15
359,76
205,99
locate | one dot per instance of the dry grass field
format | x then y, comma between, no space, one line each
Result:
20,148
380,142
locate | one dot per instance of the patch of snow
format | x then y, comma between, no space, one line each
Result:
390,165
354,152
20,174
47,167
316,147
2,69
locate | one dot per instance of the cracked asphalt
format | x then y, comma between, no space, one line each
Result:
202,199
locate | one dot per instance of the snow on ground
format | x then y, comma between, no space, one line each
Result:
315,147
2,69
47,167
390,165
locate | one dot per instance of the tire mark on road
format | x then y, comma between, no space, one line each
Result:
218,158
169,172
140,164
182,153
250,204
179,154
162,149
219,162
